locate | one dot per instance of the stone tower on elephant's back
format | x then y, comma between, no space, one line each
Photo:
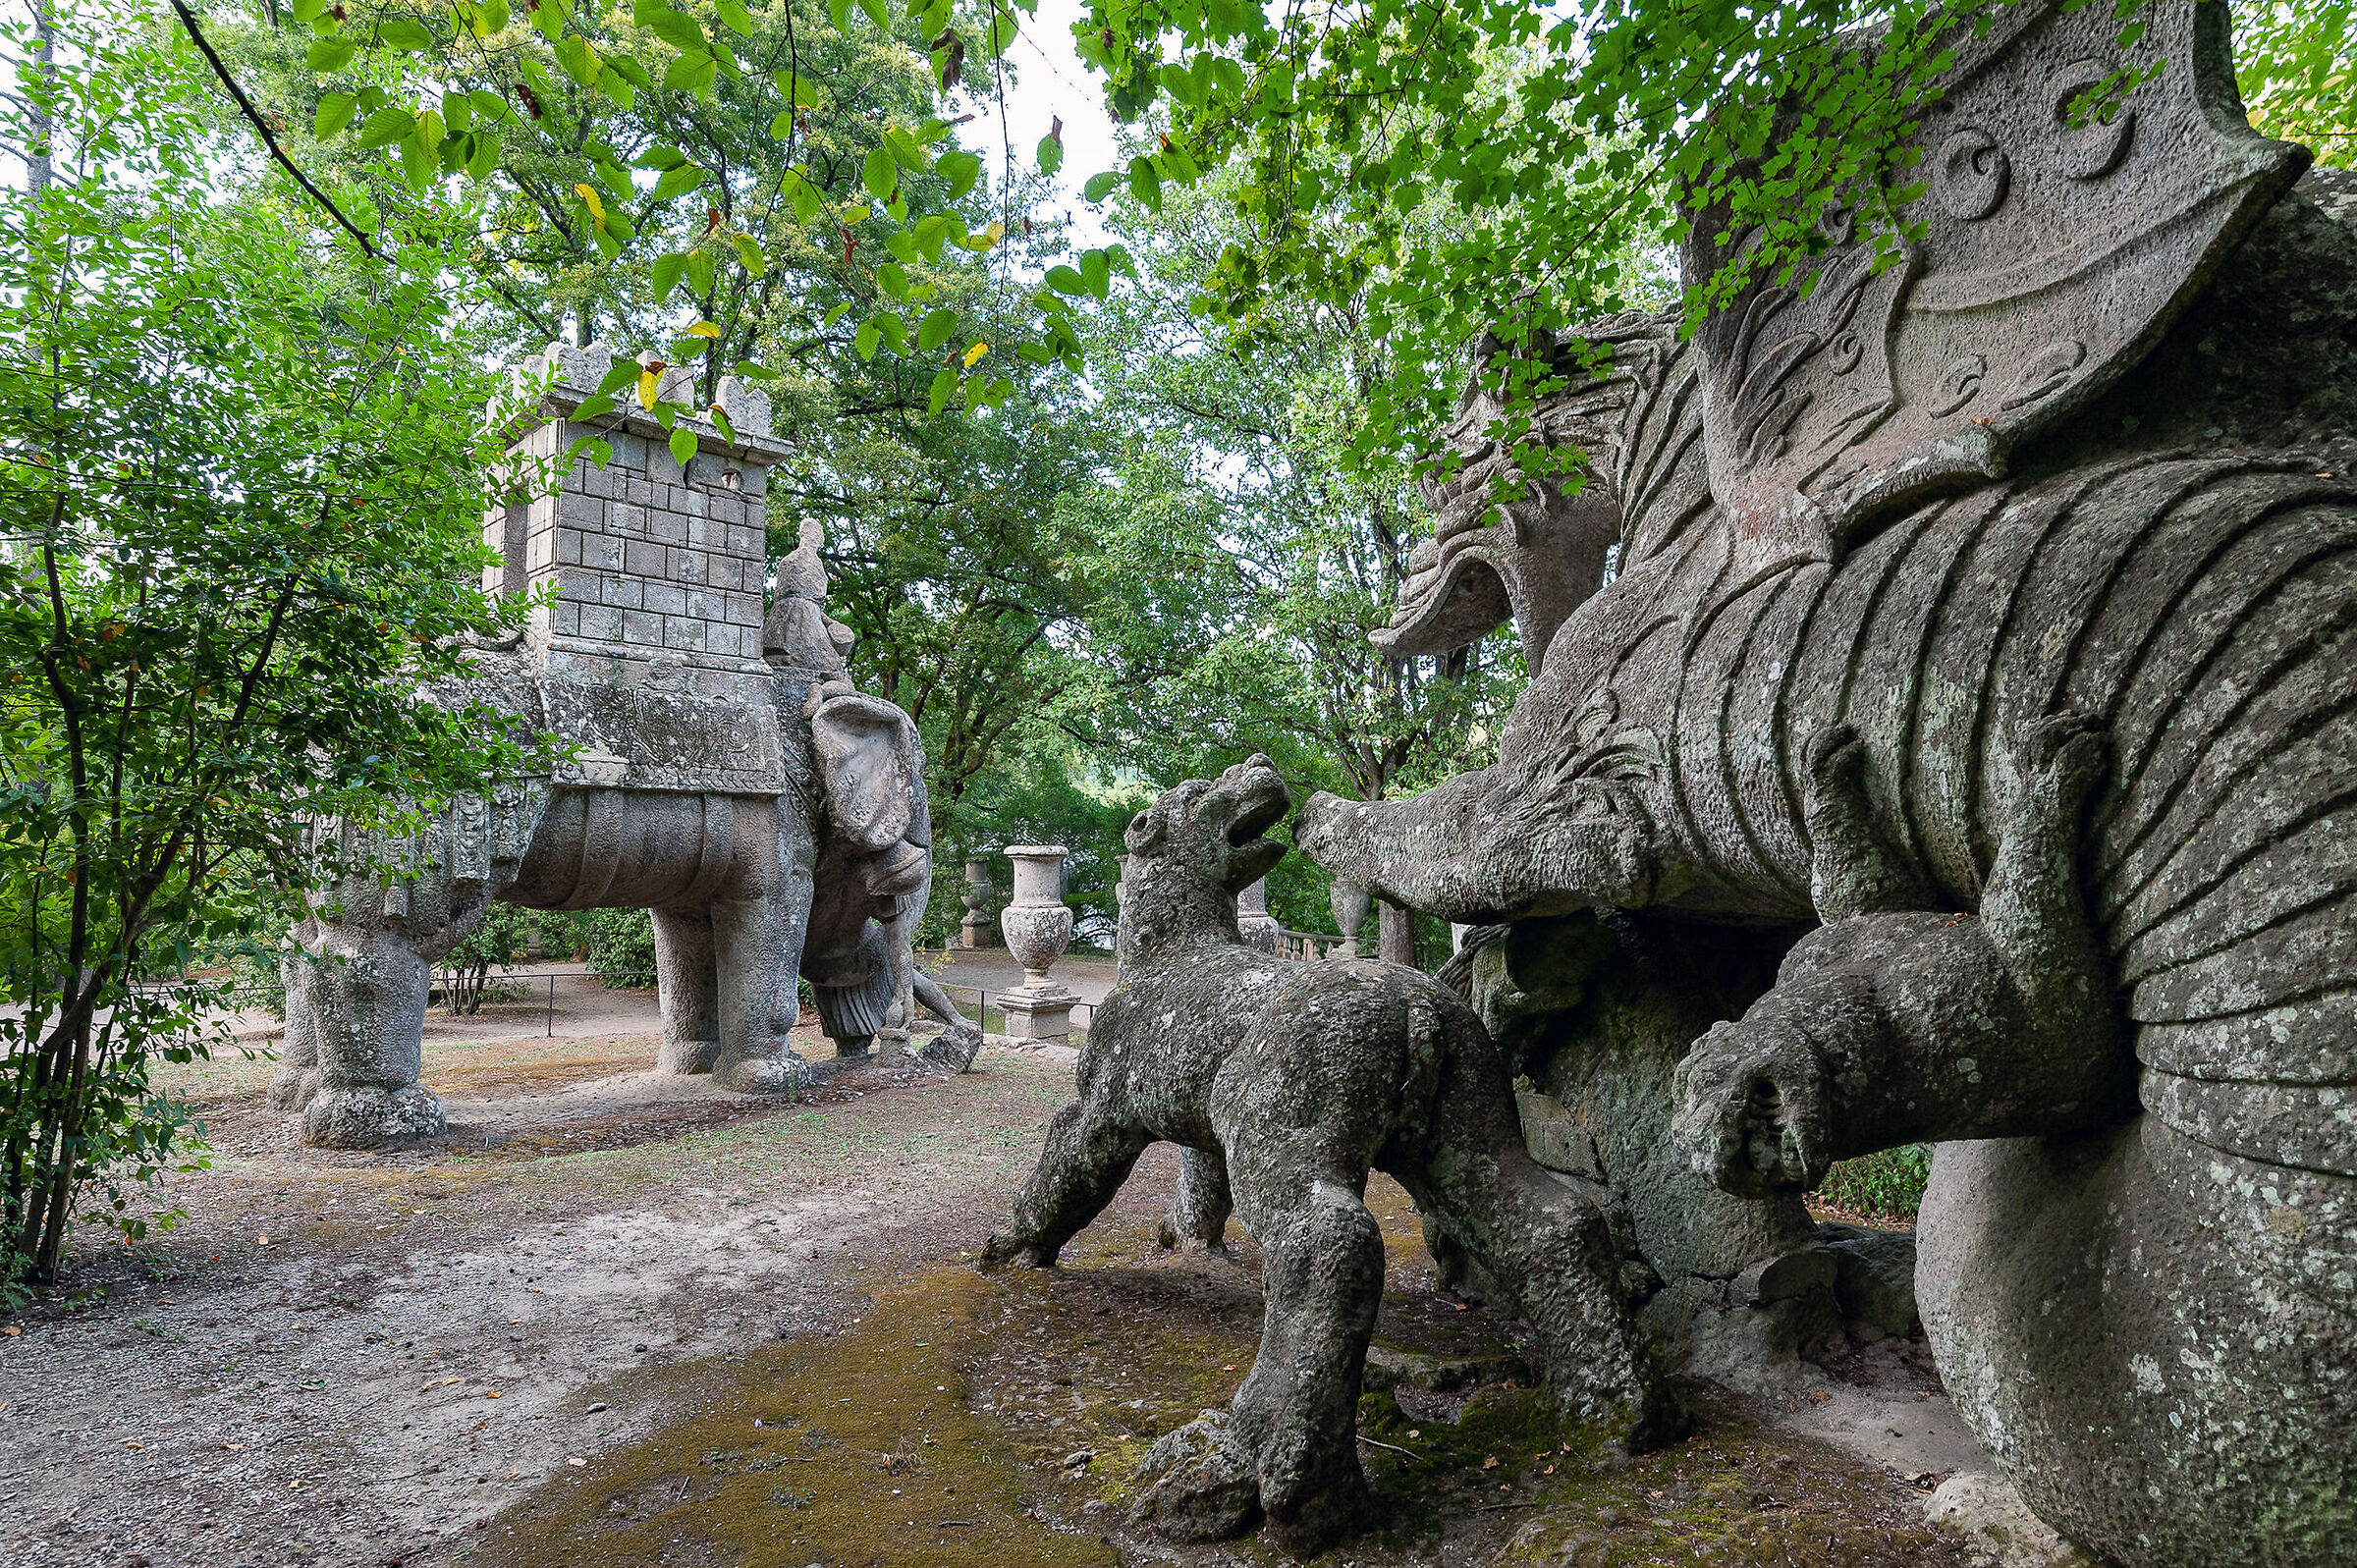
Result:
652,561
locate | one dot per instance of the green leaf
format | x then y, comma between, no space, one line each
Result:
330,54
682,445
678,181
808,200
458,112
335,113
580,60
489,105
749,254
939,327
307,12
1101,185
597,452
664,275
592,408
659,156
1063,280
485,155
1050,154
943,385
880,172
999,36
1095,272
895,330
405,33
699,273
632,72
678,30
864,342
691,72
1145,183
839,11
417,163
387,126
892,279
879,12
960,170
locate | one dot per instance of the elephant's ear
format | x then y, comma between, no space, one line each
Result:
870,767
2051,262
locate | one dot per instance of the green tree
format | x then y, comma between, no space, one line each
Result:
241,482
1255,555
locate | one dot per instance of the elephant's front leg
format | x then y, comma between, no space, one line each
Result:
753,979
369,995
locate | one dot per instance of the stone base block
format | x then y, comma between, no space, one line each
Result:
373,1117
1038,1014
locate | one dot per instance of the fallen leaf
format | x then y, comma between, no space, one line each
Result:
293,1486
1819,1396
142,1445
1549,1470
577,1463
1413,1433
231,1447
12,1333
490,1394
1490,1463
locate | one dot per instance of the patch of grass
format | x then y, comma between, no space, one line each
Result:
1884,1188
868,1453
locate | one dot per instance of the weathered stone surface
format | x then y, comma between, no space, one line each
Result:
1874,1281
1296,1079
1200,1483
1993,612
1807,1271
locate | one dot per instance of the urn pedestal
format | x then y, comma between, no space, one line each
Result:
1038,927
1349,906
1253,921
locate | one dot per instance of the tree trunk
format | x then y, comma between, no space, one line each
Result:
44,85
1396,941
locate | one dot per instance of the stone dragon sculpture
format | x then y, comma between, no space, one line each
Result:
1287,1082
1996,610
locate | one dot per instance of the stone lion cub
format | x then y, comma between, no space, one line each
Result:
1294,1080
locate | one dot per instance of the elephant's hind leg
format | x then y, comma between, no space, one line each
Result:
686,971
1089,1151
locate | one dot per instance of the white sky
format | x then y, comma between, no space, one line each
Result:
1051,83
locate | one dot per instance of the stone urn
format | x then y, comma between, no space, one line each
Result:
1349,906
974,930
1038,927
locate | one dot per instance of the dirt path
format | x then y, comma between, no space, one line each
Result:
615,1321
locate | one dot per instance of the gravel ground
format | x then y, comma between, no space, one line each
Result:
617,1319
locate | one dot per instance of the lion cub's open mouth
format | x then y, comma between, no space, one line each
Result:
1268,805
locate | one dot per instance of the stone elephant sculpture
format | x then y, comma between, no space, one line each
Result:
824,833
2029,680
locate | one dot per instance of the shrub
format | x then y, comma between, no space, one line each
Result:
1886,1187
